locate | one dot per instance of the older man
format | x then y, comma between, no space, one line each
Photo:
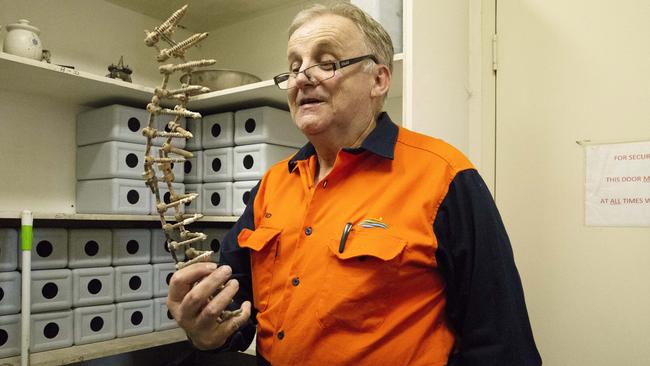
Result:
373,245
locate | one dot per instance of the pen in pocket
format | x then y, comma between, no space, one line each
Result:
344,236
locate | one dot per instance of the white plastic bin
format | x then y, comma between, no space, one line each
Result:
131,246
193,168
94,323
194,126
159,251
134,317
51,289
218,130
163,318
266,125
216,198
10,294
51,331
8,249
161,125
252,161
218,165
114,196
214,240
133,282
89,248
162,274
165,196
116,159
49,248
10,330
195,206
241,193
93,286
111,123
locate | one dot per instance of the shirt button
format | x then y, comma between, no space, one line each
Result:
295,281
281,334
308,230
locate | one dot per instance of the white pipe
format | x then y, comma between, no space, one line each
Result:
26,222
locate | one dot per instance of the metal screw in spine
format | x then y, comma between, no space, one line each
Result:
176,234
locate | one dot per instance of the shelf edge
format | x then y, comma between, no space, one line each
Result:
106,217
90,351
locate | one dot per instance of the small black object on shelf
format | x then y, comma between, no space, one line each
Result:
120,71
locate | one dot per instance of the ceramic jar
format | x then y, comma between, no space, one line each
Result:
22,40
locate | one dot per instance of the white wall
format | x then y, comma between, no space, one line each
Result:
90,34
436,53
257,46
573,70
37,145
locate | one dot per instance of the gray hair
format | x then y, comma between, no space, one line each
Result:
376,38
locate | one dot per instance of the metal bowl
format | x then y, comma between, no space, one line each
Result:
220,79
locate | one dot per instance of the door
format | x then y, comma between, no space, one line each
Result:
567,71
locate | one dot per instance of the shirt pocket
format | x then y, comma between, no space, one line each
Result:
263,243
359,282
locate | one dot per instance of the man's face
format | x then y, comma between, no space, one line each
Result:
339,104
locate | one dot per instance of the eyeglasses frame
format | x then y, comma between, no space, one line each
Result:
336,65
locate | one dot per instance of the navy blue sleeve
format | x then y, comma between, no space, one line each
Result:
485,298
239,260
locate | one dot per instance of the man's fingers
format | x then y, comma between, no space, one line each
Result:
200,294
213,309
183,280
221,331
238,321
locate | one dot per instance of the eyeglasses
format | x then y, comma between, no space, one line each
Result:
317,73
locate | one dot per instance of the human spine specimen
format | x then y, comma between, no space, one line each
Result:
176,234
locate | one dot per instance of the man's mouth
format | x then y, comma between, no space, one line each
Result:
309,101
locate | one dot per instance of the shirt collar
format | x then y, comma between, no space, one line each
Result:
381,141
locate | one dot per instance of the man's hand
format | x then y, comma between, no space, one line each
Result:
194,302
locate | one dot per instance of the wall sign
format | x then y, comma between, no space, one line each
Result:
618,184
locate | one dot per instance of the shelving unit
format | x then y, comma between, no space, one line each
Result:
91,351
12,219
98,217
96,91
112,347
11,215
23,75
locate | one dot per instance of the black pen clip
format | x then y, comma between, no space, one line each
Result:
344,236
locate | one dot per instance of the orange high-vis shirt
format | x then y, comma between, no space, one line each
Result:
345,271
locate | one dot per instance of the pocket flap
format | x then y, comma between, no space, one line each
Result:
374,244
258,238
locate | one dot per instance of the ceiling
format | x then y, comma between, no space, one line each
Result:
205,15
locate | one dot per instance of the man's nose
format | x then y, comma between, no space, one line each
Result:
302,79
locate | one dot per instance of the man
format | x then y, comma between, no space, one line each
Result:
373,245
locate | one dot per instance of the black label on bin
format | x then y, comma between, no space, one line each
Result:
132,246
50,290
97,324
135,282
44,249
136,318
94,286
51,330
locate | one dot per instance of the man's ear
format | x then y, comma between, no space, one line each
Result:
381,81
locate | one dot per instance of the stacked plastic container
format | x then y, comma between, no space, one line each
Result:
88,285
234,152
110,151
9,294
51,290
